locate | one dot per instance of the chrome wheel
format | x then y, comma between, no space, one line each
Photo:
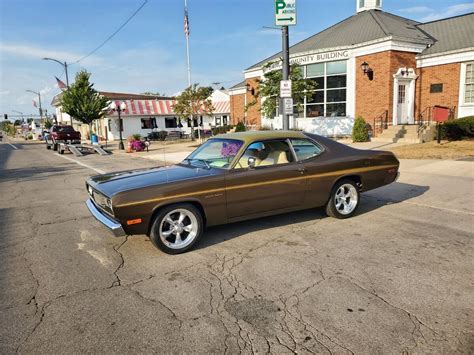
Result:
346,199
178,228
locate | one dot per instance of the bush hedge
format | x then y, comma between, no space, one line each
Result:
240,127
360,131
457,129
221,129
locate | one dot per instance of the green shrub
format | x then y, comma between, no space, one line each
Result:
265,128
162,135
360,131
30,136
221,129
136,136
458,129
240,127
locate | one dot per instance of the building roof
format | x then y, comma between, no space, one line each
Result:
362,27
118,96
450,34
238,86
128,96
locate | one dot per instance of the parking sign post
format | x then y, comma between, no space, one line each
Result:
285,15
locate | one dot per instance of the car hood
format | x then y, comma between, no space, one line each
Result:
113,183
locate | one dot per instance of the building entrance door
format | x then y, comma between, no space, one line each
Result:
402,103
404,96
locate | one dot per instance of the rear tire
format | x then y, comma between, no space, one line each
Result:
177,228
345,198
55,146
48,147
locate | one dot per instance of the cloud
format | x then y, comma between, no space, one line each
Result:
5,92
428,14
416,9
31,51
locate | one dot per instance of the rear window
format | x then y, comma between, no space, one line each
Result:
305,149
66,129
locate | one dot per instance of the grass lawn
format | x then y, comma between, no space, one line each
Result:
432,150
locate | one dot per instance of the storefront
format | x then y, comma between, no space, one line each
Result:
144,114
375,65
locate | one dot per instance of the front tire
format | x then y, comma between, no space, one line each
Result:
345,198
177,228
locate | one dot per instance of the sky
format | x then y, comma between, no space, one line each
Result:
149,53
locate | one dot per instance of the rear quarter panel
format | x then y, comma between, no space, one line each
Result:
374,168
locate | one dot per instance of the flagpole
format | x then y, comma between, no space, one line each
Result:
187,45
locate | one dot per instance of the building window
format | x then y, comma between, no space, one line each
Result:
224,120
329,98
361,3
148,123
469,86
436,88
171,122
218,121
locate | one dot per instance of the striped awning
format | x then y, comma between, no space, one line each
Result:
162,107
146,107
221,107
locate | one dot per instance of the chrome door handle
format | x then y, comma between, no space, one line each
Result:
302,170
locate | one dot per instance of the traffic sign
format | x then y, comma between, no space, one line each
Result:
285,88
288,106
285,12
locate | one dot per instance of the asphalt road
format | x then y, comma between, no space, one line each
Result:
398,277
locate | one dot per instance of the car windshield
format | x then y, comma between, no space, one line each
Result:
66,129
215,153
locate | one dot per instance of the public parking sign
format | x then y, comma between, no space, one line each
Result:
285,12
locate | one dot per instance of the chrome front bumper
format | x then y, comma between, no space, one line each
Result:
111,224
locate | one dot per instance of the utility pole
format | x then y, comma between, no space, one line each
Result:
285,71
285,15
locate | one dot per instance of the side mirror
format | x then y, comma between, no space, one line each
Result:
251,162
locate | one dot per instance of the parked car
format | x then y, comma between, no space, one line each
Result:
61,134
234,177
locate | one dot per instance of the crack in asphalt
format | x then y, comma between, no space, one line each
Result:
116,248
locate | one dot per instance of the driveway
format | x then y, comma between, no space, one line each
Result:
398,277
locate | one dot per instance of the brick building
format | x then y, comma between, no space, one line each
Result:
377,65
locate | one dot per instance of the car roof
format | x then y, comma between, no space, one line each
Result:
251,136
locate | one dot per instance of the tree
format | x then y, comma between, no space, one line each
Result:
269,88
48,123
82,102
193,101
17,123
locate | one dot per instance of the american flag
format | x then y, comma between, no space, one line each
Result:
34,103
61,84
186,22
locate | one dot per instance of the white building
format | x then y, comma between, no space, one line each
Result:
146,113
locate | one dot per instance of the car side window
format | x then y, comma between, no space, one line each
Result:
266,153
305,149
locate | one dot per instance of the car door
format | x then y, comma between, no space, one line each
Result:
276,183
317,170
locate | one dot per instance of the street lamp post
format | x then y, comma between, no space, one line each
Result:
21,113
39,101
119,109
65,70
64,66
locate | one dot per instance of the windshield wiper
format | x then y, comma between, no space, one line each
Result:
206,163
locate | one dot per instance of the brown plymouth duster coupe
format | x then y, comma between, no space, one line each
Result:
234,177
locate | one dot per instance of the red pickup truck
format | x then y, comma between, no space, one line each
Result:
61,134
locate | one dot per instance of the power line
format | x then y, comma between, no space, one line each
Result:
113,34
